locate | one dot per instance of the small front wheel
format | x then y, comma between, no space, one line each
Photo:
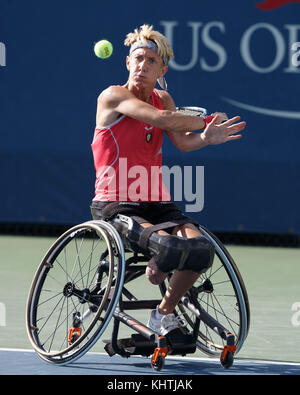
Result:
159,363
227,359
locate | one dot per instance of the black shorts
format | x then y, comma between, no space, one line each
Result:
153,212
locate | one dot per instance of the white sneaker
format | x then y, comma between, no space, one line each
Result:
168,323
165,324
154,323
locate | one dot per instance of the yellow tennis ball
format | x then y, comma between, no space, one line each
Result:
103,49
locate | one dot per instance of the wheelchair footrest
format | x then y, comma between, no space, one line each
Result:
177,342
136,345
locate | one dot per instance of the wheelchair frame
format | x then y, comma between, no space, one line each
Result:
105,301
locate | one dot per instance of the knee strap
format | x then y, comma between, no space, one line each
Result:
170,252
173,252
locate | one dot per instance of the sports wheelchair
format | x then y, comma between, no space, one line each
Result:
83,283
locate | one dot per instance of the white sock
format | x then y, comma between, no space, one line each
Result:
158,315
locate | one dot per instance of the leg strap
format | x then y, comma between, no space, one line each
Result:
147,232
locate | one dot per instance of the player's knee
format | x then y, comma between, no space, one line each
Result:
187,230
179,253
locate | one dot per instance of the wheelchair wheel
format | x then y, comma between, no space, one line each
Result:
75,291
222,294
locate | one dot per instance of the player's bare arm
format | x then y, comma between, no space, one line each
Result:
117,100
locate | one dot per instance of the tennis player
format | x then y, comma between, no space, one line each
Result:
130,123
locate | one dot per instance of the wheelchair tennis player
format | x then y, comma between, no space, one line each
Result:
127,148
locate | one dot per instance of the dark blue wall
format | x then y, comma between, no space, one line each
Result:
229,56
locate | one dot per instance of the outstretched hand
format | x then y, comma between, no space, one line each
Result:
218,133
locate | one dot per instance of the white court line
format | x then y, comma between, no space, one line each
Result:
255,361
16,349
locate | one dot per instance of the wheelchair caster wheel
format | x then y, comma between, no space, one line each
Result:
227,360
228,352
158,359
74,334
159,363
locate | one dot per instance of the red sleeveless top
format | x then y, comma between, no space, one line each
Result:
128,160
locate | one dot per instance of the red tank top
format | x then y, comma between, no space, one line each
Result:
128,160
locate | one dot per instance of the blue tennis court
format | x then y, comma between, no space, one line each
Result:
26,362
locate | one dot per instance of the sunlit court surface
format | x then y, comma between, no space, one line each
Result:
89,96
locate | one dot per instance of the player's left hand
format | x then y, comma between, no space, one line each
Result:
218,133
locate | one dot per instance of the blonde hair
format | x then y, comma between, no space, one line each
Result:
145,33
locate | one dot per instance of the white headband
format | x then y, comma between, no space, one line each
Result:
147,44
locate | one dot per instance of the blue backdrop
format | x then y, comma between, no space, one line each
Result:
230,56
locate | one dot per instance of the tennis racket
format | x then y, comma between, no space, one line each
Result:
196,112
193,111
